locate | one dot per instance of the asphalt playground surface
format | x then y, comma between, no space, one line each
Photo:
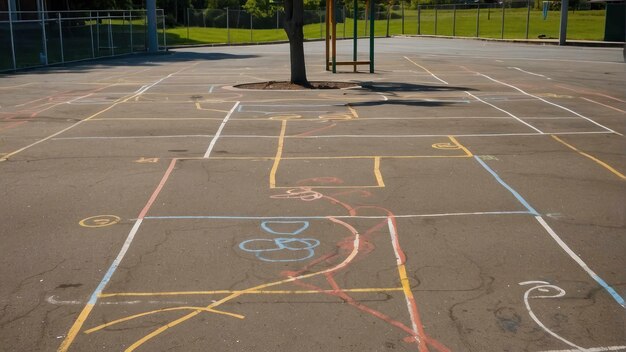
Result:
468,196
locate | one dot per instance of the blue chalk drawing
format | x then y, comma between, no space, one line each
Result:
304,245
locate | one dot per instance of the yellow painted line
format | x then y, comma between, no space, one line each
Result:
379,176
261,292
353,111
373,156
404,280
327,187
598,161
131,317
78,324
199,107
467,152
279,153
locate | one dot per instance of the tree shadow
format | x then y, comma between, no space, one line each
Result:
405,102
133,60
392,88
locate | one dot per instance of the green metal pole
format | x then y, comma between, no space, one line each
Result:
372,36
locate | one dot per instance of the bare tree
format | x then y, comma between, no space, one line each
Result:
294,22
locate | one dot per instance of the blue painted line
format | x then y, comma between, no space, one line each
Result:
107,277
610,290
509,188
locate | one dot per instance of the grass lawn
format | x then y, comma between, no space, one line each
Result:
584,25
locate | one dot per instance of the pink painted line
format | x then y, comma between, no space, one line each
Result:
156,192
12,125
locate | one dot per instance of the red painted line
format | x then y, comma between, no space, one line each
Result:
311,132
156,192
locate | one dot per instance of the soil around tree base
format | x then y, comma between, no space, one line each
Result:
286,85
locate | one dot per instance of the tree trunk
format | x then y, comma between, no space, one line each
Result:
294,22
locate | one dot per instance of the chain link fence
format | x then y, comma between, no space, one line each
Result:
517,19
32,39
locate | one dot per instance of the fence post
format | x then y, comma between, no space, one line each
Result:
227,26
98,32
343,13
45,39
164,33
251,40
502,29
563,26
187,15
454,20
419,22
130,29
388,18
111,36
477,20
61,37
402,10
436,19
319,14
528,18
12,39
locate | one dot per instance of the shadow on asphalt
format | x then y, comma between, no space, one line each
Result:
391,87
133,60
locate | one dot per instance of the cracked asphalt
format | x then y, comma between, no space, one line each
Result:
467,196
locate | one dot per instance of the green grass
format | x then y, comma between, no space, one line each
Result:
583,25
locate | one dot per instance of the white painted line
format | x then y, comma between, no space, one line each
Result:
331,136
54,301
580,262
219,130
132,137
593,349
605,105
322,217
425,69
551,103
504,111
525,59
528,72
399,261
105,280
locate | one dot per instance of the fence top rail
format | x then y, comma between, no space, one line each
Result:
75,11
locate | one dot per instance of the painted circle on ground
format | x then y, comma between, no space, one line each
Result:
100,221
445,146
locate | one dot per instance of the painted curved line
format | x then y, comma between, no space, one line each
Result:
344,263
305,225
543,286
